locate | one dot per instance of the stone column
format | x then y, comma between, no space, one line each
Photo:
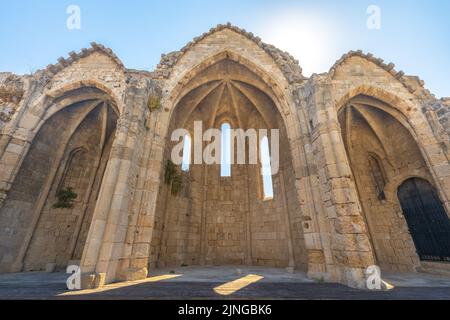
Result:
137,247
107,235
350,246
315,226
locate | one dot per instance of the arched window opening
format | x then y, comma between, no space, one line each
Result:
266,169
186,162
74,170
225,155
378,177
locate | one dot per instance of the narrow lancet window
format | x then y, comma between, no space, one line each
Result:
377,176
266,169
186,153
225,155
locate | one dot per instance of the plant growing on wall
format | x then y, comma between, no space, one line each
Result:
66,197
173,178
170,172
177,184
154,103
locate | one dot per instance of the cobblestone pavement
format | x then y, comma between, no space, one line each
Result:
222,283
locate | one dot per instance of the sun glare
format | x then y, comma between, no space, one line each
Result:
307,36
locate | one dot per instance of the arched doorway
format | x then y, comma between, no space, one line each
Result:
427,220
54,194
218,216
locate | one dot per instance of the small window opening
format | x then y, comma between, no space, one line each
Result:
225,155
378,177
186,162
266,169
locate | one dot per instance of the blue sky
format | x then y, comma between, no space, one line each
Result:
415,35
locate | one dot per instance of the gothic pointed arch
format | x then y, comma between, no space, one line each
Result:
381,146
222,216
55,190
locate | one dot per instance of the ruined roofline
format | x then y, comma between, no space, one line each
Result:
286,62
389,67
52,69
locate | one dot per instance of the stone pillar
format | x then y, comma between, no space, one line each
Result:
350,246
137,248
315,225
107,235
438,151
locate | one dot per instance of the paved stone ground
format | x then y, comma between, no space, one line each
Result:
206,283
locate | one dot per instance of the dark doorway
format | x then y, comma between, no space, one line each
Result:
427,220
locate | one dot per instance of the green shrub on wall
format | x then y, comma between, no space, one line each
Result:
66,198
154,103
177,185
173,178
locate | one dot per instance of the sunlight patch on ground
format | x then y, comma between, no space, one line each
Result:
387,285
121,285
162,277
236,285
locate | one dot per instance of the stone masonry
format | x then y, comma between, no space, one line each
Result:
349,139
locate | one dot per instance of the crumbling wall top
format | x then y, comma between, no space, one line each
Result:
287,64
412,83
63,63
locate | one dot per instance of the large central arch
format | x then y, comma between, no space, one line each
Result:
225,220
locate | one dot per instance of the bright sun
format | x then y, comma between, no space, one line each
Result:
308,37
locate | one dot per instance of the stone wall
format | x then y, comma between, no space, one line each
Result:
441,108
11,93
